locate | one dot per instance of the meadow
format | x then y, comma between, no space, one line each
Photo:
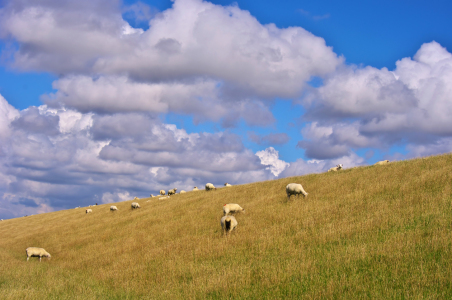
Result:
375,232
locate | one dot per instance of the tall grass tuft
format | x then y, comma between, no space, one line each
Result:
374,232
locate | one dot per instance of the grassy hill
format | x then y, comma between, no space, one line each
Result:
376,232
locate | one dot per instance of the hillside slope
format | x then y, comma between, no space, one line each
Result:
374,232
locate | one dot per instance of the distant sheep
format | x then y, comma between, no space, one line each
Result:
210,186
89,210
135,205
295,189
161,198
152,196
35,252
227,184
172,192
336,168
228,223
195,188
113,208
162,192
383,162
136,198
232,208
182,192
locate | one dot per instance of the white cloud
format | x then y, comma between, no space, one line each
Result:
270,157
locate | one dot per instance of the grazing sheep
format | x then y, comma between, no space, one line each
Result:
336,168
227,184
172,192
162,192
135,205
210,186
295,189
34,252
113,208
89,210
182,192
228,223
232,208
383,162
195,188
136,198
152,196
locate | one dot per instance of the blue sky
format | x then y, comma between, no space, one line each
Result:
104,100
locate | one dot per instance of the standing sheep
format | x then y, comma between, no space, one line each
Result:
195,188
228,223
135,205
182,192
295,189
172,192
89,210
152,196
210,186
113,208
336,168
227,184
162,192
383,162
232,208
34,252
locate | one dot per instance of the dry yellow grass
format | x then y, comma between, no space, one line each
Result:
376,232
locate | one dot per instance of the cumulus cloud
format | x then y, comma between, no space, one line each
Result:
212,61
270,158
50,153
367,107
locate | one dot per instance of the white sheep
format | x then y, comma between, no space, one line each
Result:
336,168
162,192
227,184
161,198
136,198
34,252
295,189
182,192
195,188
152,196
232,208
383,162
210,186
113,208
172,192
89,210
135,205
228,223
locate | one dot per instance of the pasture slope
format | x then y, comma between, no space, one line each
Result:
376,232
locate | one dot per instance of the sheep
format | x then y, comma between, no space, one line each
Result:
135,205
182,192
295,189
383,162
89,210
162,192
136,198
232,208
34,252
152,196
210,186
161,198
228,223
195,188
227,184
172,192
113,208
336,168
